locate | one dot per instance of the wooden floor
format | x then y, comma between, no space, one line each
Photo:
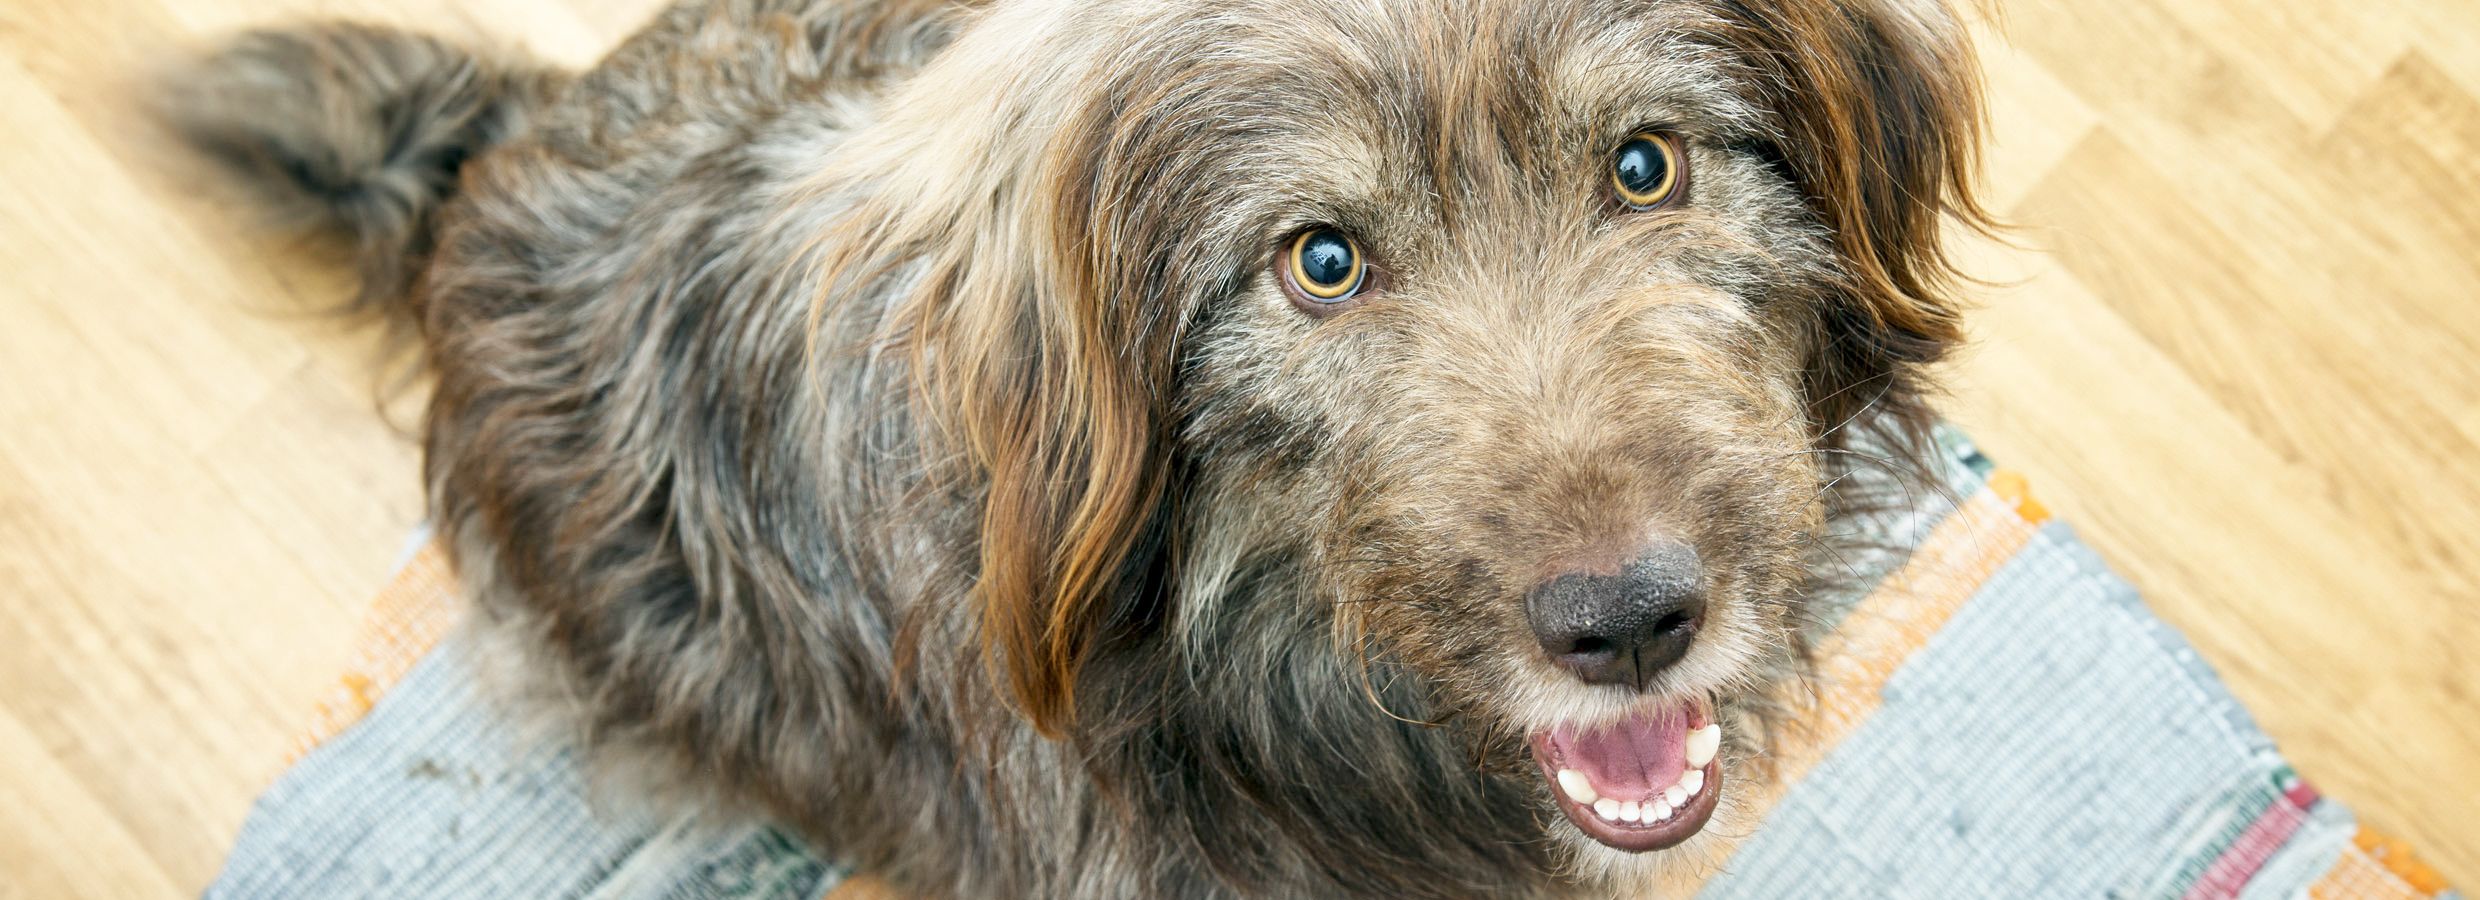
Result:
2239,355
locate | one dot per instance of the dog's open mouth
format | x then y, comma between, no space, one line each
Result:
1643,783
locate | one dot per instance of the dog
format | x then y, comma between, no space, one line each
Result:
1144,449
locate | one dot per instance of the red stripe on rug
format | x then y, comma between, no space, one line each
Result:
2249,852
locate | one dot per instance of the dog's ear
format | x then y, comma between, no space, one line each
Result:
1041,361
1064,430
1879,108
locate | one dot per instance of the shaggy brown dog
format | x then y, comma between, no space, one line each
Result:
1133,448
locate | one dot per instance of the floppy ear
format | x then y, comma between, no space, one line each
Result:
1040,369
1065,437
1880,115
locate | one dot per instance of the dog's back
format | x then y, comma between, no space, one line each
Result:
619,448
359,132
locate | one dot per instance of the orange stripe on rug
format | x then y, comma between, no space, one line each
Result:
2377,867
410,616
1895,621
1887,627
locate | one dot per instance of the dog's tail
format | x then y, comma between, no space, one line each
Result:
353,132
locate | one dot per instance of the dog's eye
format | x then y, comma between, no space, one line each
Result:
1648,171
1324,267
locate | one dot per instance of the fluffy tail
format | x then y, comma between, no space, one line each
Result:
353,131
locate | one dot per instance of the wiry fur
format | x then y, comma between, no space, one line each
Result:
883,414
354,131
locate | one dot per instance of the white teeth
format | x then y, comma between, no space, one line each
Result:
1578,787
1702,744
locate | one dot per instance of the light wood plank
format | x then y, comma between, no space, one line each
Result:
56,842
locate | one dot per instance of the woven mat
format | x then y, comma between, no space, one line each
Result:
1999,716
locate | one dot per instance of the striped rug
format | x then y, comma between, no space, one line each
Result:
2000,716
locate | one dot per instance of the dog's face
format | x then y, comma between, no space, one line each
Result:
1520,364
1520,328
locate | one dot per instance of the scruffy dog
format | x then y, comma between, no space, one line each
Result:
1143,449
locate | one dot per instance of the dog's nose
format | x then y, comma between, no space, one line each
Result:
1624,628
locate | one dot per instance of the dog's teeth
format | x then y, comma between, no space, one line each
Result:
1660,812
1703,743
1694,781
1675,795
1578,787
1606,808
1630,812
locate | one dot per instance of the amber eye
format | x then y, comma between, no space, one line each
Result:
1648,170
1325,266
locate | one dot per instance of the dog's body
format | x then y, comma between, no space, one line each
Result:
883,415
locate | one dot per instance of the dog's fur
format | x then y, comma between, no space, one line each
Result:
883,414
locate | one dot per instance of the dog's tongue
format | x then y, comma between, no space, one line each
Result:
1629,760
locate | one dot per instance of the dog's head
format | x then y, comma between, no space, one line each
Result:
1521,330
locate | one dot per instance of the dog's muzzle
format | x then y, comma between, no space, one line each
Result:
1650,780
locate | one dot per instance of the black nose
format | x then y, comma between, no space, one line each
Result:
1623,628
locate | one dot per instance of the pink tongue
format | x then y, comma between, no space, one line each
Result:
1628,760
